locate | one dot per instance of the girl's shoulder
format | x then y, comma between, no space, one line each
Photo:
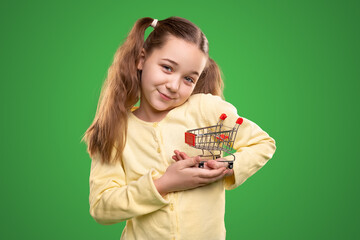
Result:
204,98
210,106
207,100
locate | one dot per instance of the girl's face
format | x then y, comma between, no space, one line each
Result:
169,76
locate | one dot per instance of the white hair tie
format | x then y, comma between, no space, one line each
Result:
153,24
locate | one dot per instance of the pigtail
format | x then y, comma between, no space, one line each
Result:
210,80
119,94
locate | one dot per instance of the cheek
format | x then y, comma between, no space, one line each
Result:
152,77
187,91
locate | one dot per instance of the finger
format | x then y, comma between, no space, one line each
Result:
229,172
211,173
204,181
190,162
177,153
220,177
183,155
216,164
175,158
211,164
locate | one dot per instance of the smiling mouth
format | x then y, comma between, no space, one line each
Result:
164,96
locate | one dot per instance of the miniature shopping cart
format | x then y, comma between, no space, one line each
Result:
214,139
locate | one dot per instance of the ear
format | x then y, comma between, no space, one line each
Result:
141,59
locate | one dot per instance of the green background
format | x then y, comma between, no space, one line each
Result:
290,66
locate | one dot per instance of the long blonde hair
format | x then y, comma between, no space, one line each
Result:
121,89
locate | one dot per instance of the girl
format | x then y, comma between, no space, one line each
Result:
134,175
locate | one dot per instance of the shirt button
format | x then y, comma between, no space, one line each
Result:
155,124
158,150
172,208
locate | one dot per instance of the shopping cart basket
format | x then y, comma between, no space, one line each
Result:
214,139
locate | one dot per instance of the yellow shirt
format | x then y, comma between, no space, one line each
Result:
126,192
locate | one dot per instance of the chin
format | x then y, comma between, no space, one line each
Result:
161,108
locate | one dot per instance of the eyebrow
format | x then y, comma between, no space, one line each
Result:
175,63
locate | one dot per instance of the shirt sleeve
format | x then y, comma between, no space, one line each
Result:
113,200
253,146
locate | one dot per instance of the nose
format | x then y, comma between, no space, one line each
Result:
173,84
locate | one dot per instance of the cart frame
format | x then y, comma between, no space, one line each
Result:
214,139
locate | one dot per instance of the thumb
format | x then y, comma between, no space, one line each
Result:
190,162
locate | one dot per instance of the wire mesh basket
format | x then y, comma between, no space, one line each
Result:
214,139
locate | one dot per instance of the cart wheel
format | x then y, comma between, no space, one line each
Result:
231,165
201,164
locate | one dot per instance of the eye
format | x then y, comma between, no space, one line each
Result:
167,68
189,79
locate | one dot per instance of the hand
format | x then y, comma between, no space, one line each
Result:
210,164
184,175
182,156
213,164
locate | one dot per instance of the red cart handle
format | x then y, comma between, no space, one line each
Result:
239,121
223,116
